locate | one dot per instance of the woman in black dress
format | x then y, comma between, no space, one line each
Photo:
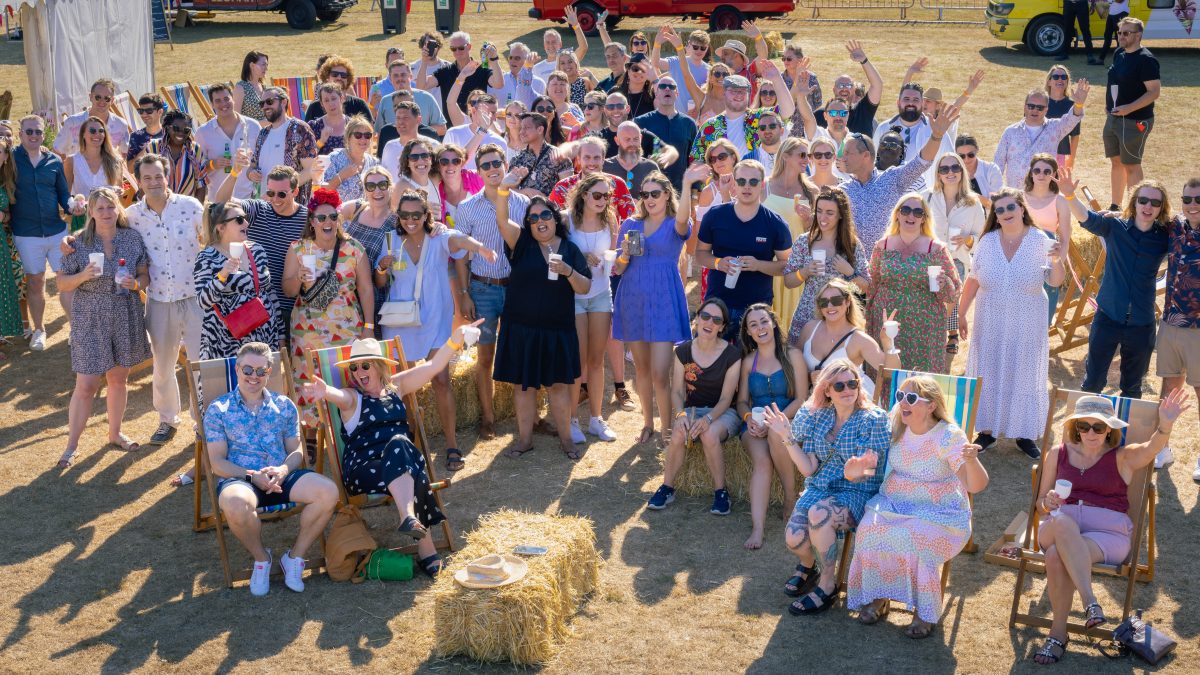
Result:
537,345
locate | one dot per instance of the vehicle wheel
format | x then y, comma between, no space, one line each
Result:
329,15
725,17
588,14
301,14
1045,35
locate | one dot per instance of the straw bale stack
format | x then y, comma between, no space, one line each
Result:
466,400
694,479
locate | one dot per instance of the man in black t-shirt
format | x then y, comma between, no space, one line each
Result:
445,77
1133,86
841,115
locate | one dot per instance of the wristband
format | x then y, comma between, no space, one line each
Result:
624,260
456,346
863,62
320,144
747,416
717,263
681,413
368,325
1070,197
936,138
235,174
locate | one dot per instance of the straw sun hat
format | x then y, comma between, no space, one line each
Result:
492,571
1098,408
366,350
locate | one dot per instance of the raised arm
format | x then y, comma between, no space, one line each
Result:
411,380
915,69
1067,185
761,50
453,110
664,35
496,78
580,37
972,85
1134,456
770,71
318,390
800,93
874,80
509,230
942,120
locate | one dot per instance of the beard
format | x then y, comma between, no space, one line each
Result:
274,115
910,114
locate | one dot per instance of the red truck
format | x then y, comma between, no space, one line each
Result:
301,14
720,15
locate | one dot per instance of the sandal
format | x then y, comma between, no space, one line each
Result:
1047,651
805,605
181,480
67,459
412,527
919,631
952,343
515,453
431,565
646,435
802,581
1095,616
454,460
874,612
487,430
572,452
125,443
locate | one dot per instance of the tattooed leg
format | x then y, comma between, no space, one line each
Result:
797,538
824,518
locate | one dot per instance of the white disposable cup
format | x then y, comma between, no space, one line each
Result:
758,414
1062,488
554,257
236,249
891,328
955,232
470,336
934,271
610,259
96,259
318,169
819,256
310,262
732,277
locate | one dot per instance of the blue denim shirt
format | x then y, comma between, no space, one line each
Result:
255,439
1130,269
41,191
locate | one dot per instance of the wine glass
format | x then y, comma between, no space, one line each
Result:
1062,488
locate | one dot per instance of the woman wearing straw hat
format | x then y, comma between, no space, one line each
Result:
379,456
1090,524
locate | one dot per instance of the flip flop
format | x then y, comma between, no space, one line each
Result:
413,528
125,443
454,460
431,565
182,480
572,453
67,459
515,453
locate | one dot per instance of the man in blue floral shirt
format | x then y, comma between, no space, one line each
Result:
253,438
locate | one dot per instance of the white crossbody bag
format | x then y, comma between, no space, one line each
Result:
405,313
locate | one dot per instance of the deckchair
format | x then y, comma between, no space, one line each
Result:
330,443
362,86
962,401
124,105
300,90
185,97
1142,417
217,377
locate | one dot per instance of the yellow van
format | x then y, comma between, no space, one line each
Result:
1038,23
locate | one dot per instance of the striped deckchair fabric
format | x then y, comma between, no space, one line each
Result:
300,90
125,105
962,395
179,96
362,87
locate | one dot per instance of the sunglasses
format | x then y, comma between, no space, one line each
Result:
789,59
718,75
711,318
1152,202
147,111
1188,200
361,135
240,220
951,168
769,127
418,156
1128,32
546,215
836,301
718,157
821,155
969,155
461,48
410,215
180,129
34,132
838,113
1096,427
323,217
593,106
614,106
1034,106
494,164
743,182
699,48
98,97
667,86
95,130
272,194
639,43
651,194
271,100
354,367
544,109
1060,76
766,92
260,372
380,185
839,387
1007,209
1039,171
340,74
910,398
912,211
447,161
600,196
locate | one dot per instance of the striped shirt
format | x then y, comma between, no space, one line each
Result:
477,218
275,233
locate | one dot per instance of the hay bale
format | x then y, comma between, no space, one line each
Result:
524,622
466,400
695,481
1088,246
774,40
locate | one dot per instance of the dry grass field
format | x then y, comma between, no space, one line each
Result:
103,573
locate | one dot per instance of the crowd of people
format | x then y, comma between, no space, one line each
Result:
565,215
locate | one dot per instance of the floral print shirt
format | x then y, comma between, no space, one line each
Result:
255,438
173,242
715,128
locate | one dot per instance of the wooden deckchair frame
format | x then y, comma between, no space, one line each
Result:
329,442
1142,505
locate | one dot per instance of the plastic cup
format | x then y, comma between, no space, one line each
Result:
934,271
310,262
758,414
819,256
554,257
236,249
731,278
610,259
891,328
955,232
318,169
1062,488
96,259
470,336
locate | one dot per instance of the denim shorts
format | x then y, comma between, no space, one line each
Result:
600,303
267,498
489,303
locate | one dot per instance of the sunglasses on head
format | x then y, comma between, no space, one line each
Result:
240,220
323,217
949,168
1059,76
966,156
1098,427
410,215
1147,200
447,161
1035,106
828,154
912,211
600,196
910,398
260,372
836,301
1188,200
711,318
355,367
651,194
494,164
718,157
418,156
361,135
743,182
838,113
667,86
273,194
839,387
378,185
1008,209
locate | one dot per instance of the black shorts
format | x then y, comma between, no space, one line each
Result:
266,499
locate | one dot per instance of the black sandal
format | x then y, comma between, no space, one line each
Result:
412,527
1095,616
454,460
952,343
1047,651
805,606
802,581
431,565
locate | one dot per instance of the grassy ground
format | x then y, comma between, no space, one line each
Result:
104,573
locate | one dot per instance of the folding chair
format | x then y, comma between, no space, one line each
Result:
301,92
362,86
1142,417
124,105
200,101
178,96
216,378
331,445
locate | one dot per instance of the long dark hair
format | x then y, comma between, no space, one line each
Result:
749,346
847,235
251,57
417,196
554,130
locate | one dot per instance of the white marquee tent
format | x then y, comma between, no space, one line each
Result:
71,43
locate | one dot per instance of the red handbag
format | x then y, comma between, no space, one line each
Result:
251,314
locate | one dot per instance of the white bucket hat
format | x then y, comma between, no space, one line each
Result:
492,571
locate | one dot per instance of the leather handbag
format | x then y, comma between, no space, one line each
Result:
347,545
1141,639
250,314
405,313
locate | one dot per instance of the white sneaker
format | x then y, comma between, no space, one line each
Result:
38,341
577,436
1165,458
599,429
260,578
292,569
1196,473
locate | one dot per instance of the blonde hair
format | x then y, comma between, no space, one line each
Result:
854,310
214,215
88,235
579,195
926,222
820,397
964,195
357,123
925,387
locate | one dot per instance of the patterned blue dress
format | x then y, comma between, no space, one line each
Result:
867,429
650,304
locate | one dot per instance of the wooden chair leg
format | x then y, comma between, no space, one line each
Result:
843,569
1014,613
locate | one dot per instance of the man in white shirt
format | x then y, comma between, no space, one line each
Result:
478,130
408,119
519,83
914,127
400,77
552,42
222,136
103,91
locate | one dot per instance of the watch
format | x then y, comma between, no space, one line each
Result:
249,478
